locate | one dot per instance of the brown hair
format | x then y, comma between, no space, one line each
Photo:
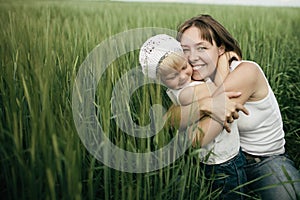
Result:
211,30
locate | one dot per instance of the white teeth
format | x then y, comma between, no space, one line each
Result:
198,67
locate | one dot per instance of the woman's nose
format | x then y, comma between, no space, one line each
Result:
192,57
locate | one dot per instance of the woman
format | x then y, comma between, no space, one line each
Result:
262,140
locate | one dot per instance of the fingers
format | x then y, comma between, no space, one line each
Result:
240,107
235,115
230,120
232,116
233,54
227,127
233,94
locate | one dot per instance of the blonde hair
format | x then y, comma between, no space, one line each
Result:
172,61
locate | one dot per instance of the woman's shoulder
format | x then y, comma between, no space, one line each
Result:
249,75
245,63
245,66
248,72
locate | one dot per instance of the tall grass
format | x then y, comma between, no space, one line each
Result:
42,45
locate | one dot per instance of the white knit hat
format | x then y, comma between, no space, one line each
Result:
154,50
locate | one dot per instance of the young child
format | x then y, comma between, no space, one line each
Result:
162,59
166,63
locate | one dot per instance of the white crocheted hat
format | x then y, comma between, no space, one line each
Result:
154,50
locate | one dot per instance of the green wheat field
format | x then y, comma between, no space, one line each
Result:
42,46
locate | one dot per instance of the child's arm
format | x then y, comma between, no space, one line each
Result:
192,94
223,66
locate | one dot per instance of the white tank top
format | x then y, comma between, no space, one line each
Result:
223,148
261,132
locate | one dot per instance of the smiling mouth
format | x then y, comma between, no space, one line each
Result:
198,67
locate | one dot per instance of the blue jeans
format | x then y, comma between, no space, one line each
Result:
277,177
228,176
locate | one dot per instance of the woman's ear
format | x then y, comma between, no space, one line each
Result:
221,50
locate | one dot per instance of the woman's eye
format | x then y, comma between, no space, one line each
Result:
201,48
186,51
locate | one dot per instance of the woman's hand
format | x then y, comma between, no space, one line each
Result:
222,109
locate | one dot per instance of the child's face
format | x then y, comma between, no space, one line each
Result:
177,79
202,55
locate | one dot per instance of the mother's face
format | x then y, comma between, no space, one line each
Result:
202,55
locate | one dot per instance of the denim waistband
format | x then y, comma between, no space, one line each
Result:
253,158
239,160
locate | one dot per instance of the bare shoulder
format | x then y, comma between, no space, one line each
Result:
245,73
248,67
249,79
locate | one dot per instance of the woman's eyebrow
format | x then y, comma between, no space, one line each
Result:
184,45
197,44
201,43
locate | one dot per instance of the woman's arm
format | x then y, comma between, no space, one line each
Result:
220,107
183,116
204,132
247,79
